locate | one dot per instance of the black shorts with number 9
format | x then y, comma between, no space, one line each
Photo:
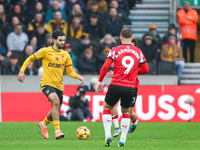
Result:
46,89
127,95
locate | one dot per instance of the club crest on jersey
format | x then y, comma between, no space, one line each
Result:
57,58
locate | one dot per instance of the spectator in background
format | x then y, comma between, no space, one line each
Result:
113,25
93,10
121,13
40,33
132,4
39,9
27,52
48,41
61,4
10,26
6,5
9,66
123,5
94,28
17,40
33,43
86,63
31,69
90,87
154,34
57,24
2,37
76,29
3,16
17,12
102,5
86,43
26,11
51,12
173,53
69,50
149,49
172,31
79,106
102,57
70,3
77,11
38,20
107,41
187,19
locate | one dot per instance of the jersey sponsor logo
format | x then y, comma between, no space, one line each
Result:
53,65
109,120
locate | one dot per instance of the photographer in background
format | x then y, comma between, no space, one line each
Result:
79,107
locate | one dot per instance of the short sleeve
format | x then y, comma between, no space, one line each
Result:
68,61
40,53
111,54
142,58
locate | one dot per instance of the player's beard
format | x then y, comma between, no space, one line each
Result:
59,46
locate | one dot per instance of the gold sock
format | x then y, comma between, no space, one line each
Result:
46,121
56,125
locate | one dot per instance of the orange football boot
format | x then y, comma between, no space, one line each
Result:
44,131
59,135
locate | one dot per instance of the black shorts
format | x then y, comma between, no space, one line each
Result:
128,96
49,89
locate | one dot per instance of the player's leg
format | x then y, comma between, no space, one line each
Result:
55,114
124,125
126,101
114,113
107,123
111,99
133,116
134,121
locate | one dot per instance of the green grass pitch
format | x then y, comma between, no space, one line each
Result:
147,136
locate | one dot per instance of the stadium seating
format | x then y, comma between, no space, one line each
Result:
166,68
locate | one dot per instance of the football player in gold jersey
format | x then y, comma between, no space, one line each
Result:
54,61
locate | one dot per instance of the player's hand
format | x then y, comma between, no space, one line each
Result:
81,79
109,74
21,77
99,87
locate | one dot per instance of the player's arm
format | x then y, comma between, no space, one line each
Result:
21,75
103,72
144,68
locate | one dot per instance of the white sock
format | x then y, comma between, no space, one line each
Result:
43,125
116,123
107,123
124,126
57,131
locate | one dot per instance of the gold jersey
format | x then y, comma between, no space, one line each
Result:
53,63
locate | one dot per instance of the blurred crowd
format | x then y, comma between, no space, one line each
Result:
92,28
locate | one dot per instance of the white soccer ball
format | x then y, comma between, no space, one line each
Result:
190,100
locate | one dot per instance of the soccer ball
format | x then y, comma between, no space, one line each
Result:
82,133
190,100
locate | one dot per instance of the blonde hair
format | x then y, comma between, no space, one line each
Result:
73,12
3,15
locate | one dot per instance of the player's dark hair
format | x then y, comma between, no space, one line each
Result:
126,33
135,42
57,33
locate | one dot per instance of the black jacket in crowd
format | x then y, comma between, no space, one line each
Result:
75,102
87,66
6,68
150,52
